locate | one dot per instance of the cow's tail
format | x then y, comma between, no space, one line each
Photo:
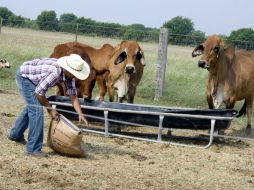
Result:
242,110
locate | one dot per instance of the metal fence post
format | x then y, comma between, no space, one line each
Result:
76,35
161,63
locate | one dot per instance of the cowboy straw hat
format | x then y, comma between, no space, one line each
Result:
75,65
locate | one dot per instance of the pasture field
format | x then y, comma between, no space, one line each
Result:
114,163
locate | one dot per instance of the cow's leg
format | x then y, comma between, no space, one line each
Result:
110,90
131,94
230,103
102,88
111,94
88,89
88,85
249,103
209,100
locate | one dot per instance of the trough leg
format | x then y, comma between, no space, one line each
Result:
161,117
106,123
211,135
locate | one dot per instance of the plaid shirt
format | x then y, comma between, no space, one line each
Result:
46,73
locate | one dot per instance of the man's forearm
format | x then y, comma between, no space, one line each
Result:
76,104
43,100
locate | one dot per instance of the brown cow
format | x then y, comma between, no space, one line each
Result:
96,58
4,64
230,77
125,71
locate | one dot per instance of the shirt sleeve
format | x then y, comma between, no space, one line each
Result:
45,83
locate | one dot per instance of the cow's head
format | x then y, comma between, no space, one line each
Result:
210,50
4,64
126,63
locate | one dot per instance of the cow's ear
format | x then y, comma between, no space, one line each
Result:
140,56
230,51
120,58
198,50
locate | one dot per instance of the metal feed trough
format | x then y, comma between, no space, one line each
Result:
147,116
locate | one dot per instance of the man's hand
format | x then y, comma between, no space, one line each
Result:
54,115
82,119
76,105
43,100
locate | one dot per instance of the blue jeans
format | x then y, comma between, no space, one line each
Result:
31,117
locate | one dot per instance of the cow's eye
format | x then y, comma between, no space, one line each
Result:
139,55
216,49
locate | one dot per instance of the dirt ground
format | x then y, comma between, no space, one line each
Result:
114,163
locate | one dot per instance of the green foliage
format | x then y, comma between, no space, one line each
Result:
86,25
5,14
242,38
47,20
109,29
31,24
179,25
181,31
68,22
198,36
10,19
135,32
16,21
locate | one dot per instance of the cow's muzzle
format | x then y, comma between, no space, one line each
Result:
203,64
129,69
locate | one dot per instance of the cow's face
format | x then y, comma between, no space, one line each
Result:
210,51
127,60
4,64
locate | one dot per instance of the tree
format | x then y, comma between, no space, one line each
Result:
179,25
134,32
198,37
47,20
68,22
138,26
178,28
16,21
242,38
109,29
5,14
87,25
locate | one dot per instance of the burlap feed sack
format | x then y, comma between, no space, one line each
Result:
65,138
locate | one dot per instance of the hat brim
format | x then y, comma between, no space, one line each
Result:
81,75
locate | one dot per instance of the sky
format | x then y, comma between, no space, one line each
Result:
209,16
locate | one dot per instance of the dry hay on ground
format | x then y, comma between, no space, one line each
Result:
115,163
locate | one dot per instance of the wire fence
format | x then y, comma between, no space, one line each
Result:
112,30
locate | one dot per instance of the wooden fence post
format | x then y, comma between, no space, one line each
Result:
1,23
161,63
76,35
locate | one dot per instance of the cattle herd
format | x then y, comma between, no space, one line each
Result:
118,69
